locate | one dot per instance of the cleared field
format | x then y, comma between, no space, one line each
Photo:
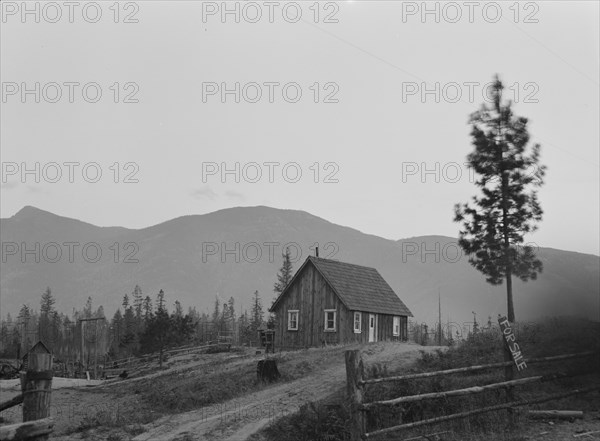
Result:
207,396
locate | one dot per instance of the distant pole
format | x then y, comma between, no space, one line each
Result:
82,346
95,349
439,318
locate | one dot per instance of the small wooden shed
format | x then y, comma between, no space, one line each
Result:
330,302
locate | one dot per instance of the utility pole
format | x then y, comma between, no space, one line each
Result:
439,318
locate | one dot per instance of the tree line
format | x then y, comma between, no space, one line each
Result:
142,324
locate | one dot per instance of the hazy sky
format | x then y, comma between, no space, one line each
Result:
375,141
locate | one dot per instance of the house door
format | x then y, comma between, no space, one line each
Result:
371,328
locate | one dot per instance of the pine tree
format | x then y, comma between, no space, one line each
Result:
231,314
245,333
178,309
257,312
493,228
47,322
24,319
216,316
47,303
160,302
99,312
147,307
231,308
87,311
129,339
117,332
284,276
285,273
125,303
138,301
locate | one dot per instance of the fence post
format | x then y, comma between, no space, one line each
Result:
354,374
36,385
508,376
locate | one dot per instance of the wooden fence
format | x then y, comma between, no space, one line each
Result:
135,362
356,384
36,389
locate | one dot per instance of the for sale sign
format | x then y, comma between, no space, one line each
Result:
511,342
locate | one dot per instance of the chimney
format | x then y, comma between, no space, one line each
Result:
316,251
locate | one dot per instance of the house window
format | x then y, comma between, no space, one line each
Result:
292,320
357,322
396,326
330,316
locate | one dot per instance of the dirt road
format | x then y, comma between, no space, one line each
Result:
237,419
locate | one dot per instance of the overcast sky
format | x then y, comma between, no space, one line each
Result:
371,131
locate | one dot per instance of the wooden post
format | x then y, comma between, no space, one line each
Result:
508,376
36,385
354,375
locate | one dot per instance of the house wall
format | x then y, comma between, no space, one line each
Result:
311,295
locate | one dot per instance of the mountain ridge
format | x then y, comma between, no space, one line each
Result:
179,256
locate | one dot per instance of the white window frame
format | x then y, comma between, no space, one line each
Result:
359,330
396,324
334,311
290,312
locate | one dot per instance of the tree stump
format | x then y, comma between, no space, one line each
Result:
266,370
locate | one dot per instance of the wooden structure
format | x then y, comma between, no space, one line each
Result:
332,302
357,383
266,337
36,389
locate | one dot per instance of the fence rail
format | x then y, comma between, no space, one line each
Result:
356,384
172,352
476,368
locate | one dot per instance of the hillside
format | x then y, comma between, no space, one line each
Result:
170,256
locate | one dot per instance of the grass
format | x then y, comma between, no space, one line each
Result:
107,421
219,380
549,337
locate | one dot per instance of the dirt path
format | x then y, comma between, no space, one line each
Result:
237,419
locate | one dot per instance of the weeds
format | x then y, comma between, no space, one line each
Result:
549,337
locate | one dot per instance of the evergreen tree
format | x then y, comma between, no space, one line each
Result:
245,333
87,311
216,316
24,320
231,314
147,307
47,315
117,332
284,276
138,301
178,309
256,319
160,302
493,228
125,303
47,303
285,273
129,338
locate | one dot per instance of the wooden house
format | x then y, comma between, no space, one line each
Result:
332,302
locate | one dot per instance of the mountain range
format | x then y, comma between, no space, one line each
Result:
236,251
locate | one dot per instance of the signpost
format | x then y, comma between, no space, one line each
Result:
511,343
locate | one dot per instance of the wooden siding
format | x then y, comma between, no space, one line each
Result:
311,295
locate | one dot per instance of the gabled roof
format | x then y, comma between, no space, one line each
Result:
360,288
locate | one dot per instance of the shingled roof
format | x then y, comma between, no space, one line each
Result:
360,288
